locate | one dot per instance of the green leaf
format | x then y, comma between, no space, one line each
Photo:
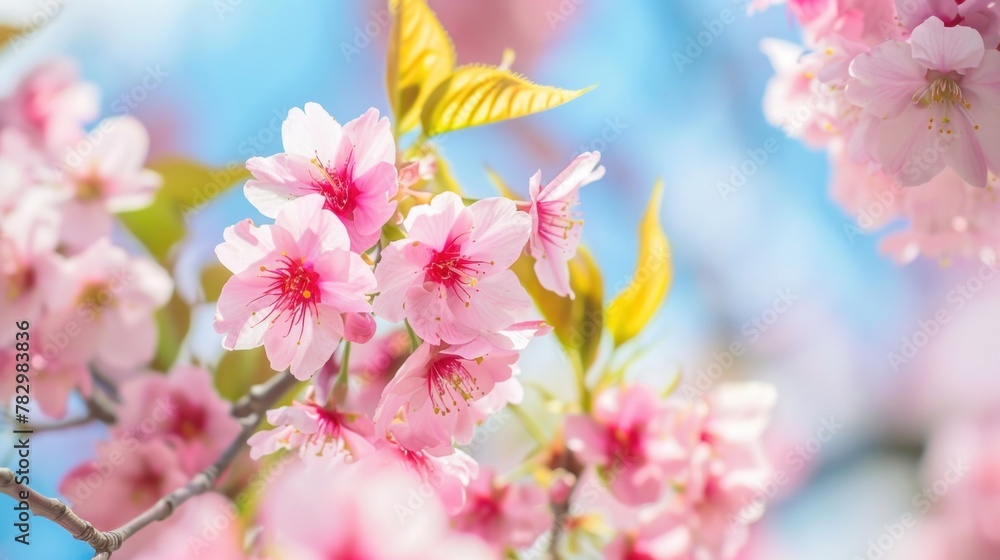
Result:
421,56
238,370
577,323
213,278
476,95
173,322
188,186
636,305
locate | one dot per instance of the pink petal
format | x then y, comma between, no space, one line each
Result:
884,79
311,133
372,140
946,48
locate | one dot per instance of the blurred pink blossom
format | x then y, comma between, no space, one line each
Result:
184,409
359,511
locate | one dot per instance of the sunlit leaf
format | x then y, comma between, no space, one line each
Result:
238,370
213,278
577,323
188,187
9,34
633,308
476,95
421,56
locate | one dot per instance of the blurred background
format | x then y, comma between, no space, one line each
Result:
762,256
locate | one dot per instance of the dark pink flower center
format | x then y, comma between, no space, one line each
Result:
336,184
294,288
627,444
189,419
555,220
449,268
449,383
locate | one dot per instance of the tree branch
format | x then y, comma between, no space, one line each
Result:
250,409
54,510
268,392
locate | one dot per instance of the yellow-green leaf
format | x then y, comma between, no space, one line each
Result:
213,278
633,308
577,323
475,95
238,370
421,56
173,322
188,187
9,34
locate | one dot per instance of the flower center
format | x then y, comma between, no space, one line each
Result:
453,271
448,383
337,186
943,89
88,189
555,220
20,281
294,288
96,297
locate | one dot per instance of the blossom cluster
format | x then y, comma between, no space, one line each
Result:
904,96
453,318
89,302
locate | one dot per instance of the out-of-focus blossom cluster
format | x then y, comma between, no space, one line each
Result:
905,97
89,302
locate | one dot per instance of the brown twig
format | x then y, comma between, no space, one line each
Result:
250,409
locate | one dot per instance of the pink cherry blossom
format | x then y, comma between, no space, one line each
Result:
555,226
184,409
450,278
106,174
314,430
964,454
946,218
929,103
379,514
977,14
292,282
51,105
629,438
805,98
204,527
125,479
353,167
28,240
504,515
53,378
430,400
727,468
102,308
446,476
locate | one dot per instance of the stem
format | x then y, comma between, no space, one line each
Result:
414,339
530,426
267,392
344,364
